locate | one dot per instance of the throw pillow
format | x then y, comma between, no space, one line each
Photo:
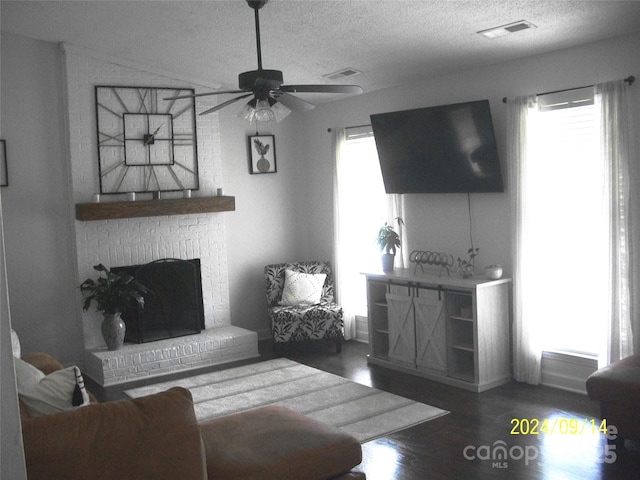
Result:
302,288
57,392
15,343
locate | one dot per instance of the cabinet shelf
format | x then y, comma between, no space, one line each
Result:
461,363
153,208
464,319
467,347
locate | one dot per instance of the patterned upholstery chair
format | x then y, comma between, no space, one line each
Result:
295,323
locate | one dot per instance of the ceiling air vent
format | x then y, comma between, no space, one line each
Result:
507,29
345,72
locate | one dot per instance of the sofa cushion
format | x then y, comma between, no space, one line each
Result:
310,322
618,382
42,394
42,361
276,443
146,438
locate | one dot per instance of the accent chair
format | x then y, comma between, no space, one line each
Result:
301,304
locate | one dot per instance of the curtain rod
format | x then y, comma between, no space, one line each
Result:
628,80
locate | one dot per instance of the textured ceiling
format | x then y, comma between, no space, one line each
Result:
390,42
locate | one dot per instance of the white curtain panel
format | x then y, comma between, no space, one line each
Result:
527,353
343,290
613,101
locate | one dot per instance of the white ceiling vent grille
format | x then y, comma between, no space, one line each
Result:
345,72
507,29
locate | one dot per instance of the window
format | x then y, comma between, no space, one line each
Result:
362,206
566,224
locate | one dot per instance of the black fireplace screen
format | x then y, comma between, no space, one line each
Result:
173,306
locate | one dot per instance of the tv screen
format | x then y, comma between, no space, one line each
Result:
443,149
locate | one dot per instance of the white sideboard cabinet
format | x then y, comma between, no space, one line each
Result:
444,328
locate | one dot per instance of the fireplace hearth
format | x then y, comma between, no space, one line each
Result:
173,307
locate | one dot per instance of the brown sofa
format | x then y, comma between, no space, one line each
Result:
158,436
617,388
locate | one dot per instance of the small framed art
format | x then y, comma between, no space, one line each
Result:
4,176
262,154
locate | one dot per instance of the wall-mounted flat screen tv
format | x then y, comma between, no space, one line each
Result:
443,149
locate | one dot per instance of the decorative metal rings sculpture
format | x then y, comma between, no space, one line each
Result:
437,259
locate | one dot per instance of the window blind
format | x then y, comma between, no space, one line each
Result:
358,133
566,99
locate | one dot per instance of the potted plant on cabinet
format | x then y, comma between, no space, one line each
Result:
467,267
388,240
113,294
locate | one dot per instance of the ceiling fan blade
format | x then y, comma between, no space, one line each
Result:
321,88
294,103
225,104
180,97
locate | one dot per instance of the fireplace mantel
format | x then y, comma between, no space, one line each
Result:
153,208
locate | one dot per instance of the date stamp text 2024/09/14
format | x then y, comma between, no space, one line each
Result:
500,453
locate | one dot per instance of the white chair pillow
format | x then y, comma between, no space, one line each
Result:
43,394
15,343
302,288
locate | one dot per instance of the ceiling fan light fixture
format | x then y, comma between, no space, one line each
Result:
246,113
279,111
263,111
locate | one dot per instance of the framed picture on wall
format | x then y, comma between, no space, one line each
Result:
4,176
262,154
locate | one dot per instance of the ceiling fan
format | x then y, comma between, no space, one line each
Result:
271,99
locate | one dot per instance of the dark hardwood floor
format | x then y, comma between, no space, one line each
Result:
460,445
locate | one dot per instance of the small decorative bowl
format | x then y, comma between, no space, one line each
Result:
493,272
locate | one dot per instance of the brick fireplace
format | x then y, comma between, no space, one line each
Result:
136,241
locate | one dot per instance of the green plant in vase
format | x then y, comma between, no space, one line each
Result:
388,240
113,293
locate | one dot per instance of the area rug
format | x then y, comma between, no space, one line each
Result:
364,412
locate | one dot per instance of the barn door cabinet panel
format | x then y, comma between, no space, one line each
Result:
430,332
447,329
402,332
416,327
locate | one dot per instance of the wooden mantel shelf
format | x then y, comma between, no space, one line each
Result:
153,208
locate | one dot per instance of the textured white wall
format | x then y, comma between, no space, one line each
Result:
141,240
37,206
11,454
266,226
